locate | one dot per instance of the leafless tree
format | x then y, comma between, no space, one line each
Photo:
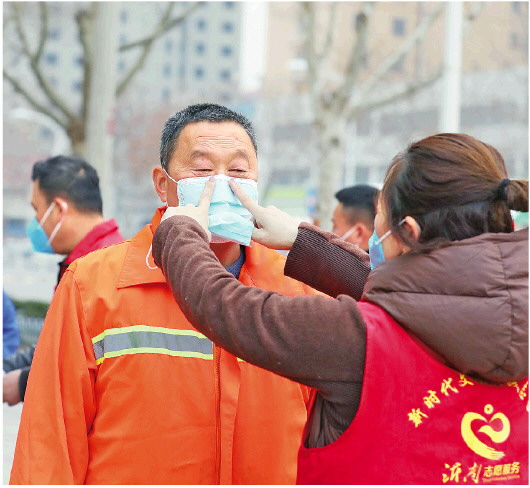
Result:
339,98
48,100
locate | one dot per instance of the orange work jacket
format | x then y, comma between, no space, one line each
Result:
123,390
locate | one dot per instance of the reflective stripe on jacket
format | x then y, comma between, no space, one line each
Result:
123,390
422,423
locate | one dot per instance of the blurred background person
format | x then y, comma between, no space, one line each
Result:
353,217
68,220
11,332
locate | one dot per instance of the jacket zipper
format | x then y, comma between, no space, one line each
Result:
217,360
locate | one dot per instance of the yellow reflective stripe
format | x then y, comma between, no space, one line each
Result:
146,328
142,339
154,350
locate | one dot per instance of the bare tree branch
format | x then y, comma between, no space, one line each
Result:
34,63
359,51
83,18
397,93
31,100
20,31
315,62
43,30
386,65
165,24
147,43
331,29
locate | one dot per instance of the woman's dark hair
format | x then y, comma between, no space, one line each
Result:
70,178
454,186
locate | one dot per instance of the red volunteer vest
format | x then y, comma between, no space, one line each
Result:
421,422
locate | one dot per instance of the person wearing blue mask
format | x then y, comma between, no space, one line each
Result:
123,390
424,380
353,217
68,221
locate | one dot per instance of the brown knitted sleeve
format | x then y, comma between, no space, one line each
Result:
327,263
310,339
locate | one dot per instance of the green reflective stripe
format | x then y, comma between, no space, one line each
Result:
141,339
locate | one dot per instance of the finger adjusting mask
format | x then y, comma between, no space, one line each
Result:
228,219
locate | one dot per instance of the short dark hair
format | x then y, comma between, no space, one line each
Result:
359,203
202,112
454,186
70,178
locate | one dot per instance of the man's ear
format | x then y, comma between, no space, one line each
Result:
62,205
160,181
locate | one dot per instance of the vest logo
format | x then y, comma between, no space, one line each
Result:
496,427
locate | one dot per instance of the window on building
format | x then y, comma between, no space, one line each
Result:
166,95
54,82
516,7
201,24
124,15
51,58
76,86
398,26
123,39
199,72
200,48
46,133
79,60
227,27
514,40
121,65
54,34
226,50
229,5
399,66
225,75
167,70
169,45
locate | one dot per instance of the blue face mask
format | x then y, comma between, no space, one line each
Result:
228,220
375,247
38,238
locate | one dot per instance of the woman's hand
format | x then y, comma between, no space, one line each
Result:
199,212
275,229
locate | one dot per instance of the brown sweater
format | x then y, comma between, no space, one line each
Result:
321,342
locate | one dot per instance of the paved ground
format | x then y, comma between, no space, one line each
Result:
11,419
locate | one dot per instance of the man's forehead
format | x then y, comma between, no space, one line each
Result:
206,133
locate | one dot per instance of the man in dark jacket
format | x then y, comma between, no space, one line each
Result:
68,220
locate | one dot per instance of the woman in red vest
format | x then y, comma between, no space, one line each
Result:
420,371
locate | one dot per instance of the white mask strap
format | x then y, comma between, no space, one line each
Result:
386,234
348,232
147,258
47,213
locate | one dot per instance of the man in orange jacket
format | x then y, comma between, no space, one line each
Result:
123,389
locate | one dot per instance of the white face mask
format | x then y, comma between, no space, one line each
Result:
229,220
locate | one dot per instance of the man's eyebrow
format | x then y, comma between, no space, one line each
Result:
199,153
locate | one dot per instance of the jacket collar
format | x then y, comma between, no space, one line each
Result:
138,266
91,240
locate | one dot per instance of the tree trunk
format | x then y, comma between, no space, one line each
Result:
332,153
76,132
